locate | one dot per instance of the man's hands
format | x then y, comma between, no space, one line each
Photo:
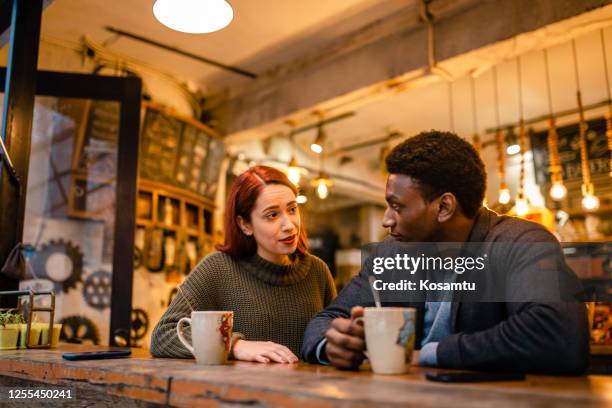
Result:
263,352
345,341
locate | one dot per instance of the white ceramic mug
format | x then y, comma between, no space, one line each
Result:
211,335
389,334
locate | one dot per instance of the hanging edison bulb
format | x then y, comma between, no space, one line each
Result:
521,206
317,144
504,191
322,190
558,191
590,201
322,185
294,172
504,194
476,142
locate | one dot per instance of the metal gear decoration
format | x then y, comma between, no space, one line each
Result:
140,324
97,289
72,251
77,329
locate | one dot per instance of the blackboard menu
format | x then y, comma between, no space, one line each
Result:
179,153
160,146
191,162
208,185
569,151
98,148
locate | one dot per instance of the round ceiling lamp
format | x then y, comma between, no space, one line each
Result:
193,16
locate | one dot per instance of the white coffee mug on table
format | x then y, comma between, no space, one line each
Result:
211,335
389,335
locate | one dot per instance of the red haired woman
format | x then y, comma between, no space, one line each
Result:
263,273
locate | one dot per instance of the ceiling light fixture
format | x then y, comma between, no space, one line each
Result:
322,184
294,172
317,145
476,142
504,193
193,16
522,203
589,199
513,146
609,114
513,149
558,191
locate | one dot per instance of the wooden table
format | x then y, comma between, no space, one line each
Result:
141,380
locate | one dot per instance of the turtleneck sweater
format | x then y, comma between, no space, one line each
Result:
271,302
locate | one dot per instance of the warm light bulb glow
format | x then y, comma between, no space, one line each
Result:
294,174
504,196
522,207
590,202
317,148
513,149
193,16
558,191
322,190
301,199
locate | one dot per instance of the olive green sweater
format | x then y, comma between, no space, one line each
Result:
270,302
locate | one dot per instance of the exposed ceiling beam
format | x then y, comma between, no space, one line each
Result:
175,50
381,53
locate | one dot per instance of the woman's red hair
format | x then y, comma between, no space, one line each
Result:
241,201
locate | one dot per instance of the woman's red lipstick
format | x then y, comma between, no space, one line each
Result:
289,240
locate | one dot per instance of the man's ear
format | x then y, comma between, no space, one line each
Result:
447,207
245,226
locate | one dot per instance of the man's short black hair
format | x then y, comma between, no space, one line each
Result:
442,162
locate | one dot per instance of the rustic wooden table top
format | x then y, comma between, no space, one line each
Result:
186,384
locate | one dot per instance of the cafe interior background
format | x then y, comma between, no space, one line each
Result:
279,78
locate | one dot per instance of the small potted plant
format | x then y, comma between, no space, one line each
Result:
9,330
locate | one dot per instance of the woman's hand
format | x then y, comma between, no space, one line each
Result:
263,352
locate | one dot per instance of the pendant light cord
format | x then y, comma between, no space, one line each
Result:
522,138
499,139
548,88
609,115
475,138
474,112
605,61
554,165
584,158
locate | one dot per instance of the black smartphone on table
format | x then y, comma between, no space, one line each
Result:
459,377
96,355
